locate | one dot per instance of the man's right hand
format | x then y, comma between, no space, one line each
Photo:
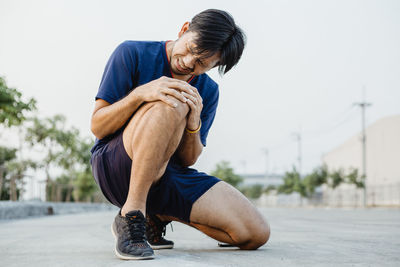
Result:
166,89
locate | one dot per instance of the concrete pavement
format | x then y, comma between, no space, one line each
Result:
300,237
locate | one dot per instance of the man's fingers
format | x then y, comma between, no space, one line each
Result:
175,93
168,100
192,105
192,98
195,99
182,86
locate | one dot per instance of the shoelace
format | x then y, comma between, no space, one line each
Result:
137,229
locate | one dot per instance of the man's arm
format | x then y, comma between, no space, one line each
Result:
191,146
189,149
108,118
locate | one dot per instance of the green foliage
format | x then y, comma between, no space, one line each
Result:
65,149
224,172
61,146
354,178
269,188
315,179
12,172
306,187
5,191
253,191
336,178
12,113
6,154
292,183
85,186
12,107
62,188
58,141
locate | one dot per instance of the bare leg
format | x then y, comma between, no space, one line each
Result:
224,214
208,230
150,139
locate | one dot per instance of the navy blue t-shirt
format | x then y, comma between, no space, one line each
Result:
134,63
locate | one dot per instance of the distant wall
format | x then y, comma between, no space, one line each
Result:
383,164
345,195
23,209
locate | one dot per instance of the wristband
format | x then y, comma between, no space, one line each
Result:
194,131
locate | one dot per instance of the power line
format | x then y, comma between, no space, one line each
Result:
348,115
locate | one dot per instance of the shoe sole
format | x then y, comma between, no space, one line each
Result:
124,256
162,247
225,245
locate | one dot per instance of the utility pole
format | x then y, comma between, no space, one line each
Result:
363,105
297,136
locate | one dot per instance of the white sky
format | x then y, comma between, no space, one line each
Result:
304,65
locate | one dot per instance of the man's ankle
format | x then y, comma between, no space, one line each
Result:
124,211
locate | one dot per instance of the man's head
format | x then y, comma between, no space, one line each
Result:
211,39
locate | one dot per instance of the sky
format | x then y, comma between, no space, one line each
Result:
304,66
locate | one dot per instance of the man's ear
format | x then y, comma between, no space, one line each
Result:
184,28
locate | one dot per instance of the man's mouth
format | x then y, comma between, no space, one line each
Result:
180,68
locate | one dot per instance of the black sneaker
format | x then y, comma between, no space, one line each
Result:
155,230
225,245
129,231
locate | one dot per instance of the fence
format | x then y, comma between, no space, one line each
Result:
343,196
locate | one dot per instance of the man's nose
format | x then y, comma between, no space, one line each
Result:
189,61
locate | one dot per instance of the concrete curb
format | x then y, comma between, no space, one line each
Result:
22,209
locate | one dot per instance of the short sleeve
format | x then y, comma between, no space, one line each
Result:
208,115
118,75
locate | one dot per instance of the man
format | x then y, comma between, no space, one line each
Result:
153,111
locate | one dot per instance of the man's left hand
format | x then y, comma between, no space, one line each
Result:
195,103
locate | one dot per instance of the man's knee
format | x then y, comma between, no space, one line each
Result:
259,237
254,237
178,113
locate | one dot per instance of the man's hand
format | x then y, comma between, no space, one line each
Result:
195,103
166,89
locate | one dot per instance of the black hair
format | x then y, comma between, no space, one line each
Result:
217,32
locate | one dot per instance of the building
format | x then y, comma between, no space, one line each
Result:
382,166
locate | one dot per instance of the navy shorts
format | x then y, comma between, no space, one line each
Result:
173,195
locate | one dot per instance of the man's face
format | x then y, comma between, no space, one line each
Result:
184,60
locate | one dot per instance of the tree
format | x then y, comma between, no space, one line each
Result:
65,150
354,178
12,107
84,184
224,172
59,145
292,183
269,188
6,155
16,173
253,191
315,179
12,113
335,178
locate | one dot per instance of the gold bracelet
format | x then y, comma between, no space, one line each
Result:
194,131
